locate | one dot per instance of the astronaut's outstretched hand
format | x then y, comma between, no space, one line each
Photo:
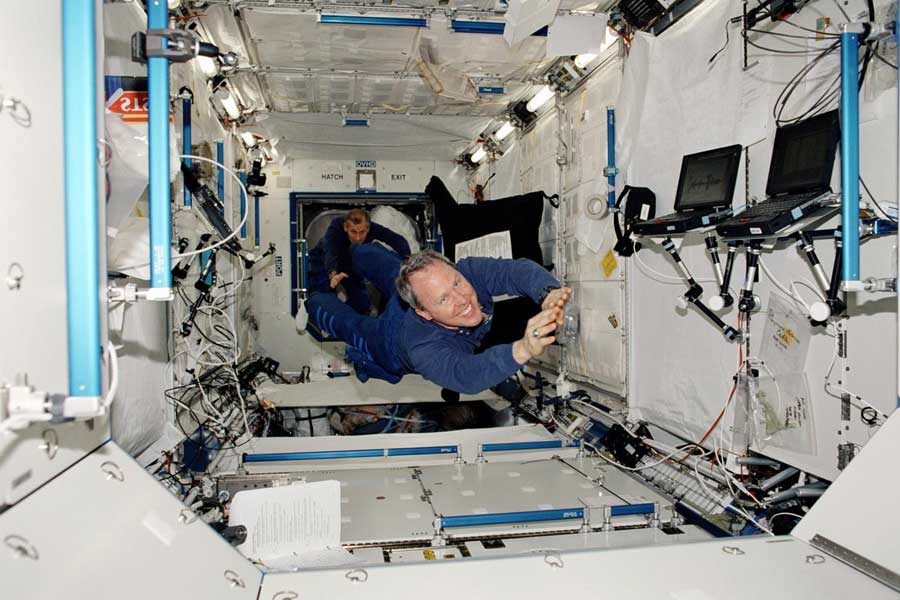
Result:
538,335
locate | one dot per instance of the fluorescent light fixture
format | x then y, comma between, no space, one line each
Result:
478,155
249,139
208,66
228,103
363,20
504,131
583,60
540,99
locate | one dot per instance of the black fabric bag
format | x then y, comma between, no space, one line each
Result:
520,215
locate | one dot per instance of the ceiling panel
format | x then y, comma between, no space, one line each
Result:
221,25
387,136
297,40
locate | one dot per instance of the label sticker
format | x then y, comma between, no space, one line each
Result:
755,231
645,212
797,213
609,264
279,266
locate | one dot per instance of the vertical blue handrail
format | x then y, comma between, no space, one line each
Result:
186,105
850,156
82,228
243,234
304,265
256,221
611,156
158,129
220,177
294,262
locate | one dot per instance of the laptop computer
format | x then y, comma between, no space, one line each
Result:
799,179
703,198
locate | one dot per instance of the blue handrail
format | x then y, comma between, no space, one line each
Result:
158,131
850,155
82,228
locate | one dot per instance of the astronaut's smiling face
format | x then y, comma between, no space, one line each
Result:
447,298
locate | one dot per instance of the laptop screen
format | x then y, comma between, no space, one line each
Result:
803,155
707,178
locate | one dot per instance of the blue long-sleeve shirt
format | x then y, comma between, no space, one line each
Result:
335,245
447,356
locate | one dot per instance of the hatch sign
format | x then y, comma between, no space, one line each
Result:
365,164
128,98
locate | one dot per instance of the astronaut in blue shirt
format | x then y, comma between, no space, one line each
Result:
438,315
330,263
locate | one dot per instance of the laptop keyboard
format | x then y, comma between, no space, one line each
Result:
775,206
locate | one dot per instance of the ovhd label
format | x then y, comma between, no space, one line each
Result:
365,164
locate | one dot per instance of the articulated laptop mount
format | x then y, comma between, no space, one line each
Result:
694,294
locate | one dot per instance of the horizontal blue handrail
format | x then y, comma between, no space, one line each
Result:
336,454
511,446
487,27
529,516
423,450
363,20
624,510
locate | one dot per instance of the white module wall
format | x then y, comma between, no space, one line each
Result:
33,301
681,102
574,134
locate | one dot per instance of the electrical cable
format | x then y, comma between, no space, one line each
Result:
884,213
177,256
114,375
886,61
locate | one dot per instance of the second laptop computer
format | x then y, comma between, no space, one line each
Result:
703,198
799,179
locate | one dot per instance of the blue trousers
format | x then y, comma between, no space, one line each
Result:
372,342
317,282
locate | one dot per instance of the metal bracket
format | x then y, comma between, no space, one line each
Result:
179,46
857,561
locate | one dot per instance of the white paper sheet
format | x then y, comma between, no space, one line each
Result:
296,522
492,245
332,557
573,34
755,103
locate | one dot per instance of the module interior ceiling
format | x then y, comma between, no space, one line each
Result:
388,137
307,66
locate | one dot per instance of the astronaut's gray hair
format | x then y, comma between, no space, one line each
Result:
411,265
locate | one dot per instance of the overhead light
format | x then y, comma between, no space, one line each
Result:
540,99
478,155
229,103
504,131
520,115
208,66
249,139
583,60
